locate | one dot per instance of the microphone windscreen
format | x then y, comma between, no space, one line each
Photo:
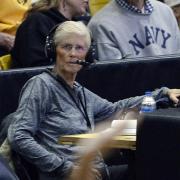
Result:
81,62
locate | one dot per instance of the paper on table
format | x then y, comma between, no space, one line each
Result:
130,128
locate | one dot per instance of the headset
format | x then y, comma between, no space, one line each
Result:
50,48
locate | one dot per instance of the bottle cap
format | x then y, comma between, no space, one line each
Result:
148,93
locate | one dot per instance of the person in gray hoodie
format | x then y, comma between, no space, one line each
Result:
53,104
134,28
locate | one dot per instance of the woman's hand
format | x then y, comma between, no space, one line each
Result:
7,40
174,94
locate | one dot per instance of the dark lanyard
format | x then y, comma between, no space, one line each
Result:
83,110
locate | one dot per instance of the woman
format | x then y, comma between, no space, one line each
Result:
53,104
30,39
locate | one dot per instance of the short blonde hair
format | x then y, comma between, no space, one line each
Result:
72,27
42,5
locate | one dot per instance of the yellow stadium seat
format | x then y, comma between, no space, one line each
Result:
95,5
5,62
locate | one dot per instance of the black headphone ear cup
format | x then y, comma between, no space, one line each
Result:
92,54
50,49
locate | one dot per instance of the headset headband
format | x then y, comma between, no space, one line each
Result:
50,49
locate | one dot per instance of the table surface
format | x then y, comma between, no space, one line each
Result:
123,142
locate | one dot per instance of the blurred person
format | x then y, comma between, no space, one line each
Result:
131,28
53,104
175,5
30,39
91,149
11,15
96,5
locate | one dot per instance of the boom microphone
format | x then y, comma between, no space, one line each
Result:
80,62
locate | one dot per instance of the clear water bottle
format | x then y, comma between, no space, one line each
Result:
148,103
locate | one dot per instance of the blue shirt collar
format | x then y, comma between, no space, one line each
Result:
148,7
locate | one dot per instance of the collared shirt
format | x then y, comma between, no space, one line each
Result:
148,7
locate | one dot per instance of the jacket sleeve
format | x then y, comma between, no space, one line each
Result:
21,133
104,109
176,35
105,39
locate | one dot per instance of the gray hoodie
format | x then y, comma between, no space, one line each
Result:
119,33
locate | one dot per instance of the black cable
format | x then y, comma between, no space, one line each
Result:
83,110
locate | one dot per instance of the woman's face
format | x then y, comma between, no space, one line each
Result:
77,7
69,50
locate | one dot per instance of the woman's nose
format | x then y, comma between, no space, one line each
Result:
73,51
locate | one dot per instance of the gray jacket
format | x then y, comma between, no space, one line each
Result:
46,111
